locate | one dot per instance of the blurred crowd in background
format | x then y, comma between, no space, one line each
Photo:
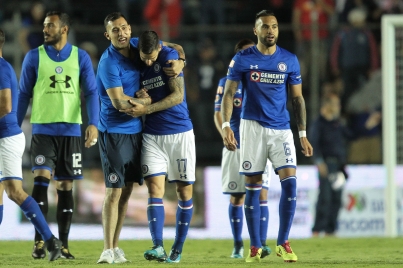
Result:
337,43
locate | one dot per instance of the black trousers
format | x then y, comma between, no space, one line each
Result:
329,201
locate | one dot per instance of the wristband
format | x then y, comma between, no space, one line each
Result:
184,61
302,133
225,124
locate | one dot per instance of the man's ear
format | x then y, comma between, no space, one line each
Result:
254,31
107,36
65,29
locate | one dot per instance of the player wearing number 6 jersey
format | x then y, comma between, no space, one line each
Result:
168,149
266,71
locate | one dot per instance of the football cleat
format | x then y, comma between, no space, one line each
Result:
254,254
237,253
39,250
266,251
156,253
66,254
54,247
286,252
174,256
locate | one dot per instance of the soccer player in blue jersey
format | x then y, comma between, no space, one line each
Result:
12,145
168,145
267,72
118,79
232,182
53,75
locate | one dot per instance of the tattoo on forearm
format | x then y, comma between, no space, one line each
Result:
143,101
298,105
121,104
177,87
227,101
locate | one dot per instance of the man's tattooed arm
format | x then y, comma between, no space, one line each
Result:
298,105
177,87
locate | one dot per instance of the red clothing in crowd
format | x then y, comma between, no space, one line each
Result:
155,10
306,7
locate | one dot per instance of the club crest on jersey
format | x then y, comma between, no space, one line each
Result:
144,168
232,185
157,67
255,76
59,69
113,178
237,102
282,67
254,66
246,165
40,159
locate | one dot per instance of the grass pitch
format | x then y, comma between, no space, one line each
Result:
318,252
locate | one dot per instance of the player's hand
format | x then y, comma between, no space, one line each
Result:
142,93
229,139
175,69
307,149
91,136
136,111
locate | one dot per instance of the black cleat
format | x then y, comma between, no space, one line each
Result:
39,250
66,254
54,247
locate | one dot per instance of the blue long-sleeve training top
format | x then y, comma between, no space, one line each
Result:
88,86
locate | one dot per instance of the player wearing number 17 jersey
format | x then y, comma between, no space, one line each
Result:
168,149
266,71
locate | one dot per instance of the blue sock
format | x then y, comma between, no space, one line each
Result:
156,219
1,213
183,217
236,220
252,213
288,202
34,215
264,221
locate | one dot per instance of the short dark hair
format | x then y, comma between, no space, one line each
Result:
243,43
264,13
148,42
112,17
63,17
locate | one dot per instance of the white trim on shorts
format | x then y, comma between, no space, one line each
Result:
232,182
11,151
259,144
172,155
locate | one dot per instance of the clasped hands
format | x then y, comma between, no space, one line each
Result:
138,109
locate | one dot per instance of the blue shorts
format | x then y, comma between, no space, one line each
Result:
120,157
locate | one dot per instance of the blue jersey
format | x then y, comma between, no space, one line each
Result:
265,79
172,120
28,79
237,107
8,79
116,70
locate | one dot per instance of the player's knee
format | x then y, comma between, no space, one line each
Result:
16,194
112,195
64,185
